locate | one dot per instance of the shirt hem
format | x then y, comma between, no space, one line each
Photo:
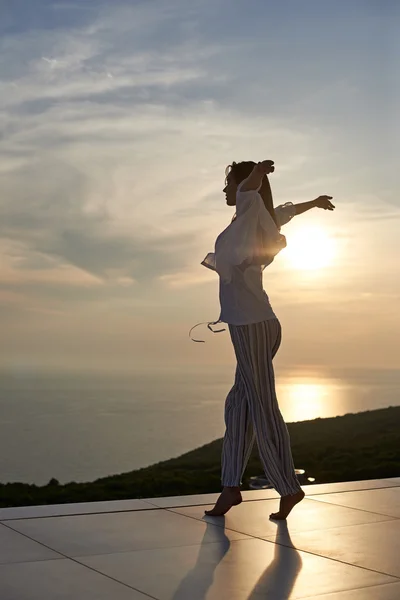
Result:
252,322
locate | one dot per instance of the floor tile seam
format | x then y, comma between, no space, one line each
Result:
322,531
108,512
112,578
178,506
362,587
22,562
355,489
371,512
213,502
337,560
245,538
267,539
152,506
223,526
385,520
36,541
388,487
175,512
276,497
200,520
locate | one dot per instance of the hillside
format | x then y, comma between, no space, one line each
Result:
351,447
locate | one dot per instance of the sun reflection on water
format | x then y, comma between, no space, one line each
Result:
303,398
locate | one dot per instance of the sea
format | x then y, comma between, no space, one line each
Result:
79,426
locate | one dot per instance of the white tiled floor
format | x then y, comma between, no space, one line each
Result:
340,543
83,508
383,501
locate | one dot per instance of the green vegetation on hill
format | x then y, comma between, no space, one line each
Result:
348,448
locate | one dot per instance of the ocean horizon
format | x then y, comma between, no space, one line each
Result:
79,426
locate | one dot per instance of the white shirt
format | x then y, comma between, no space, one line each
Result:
243,300
242,297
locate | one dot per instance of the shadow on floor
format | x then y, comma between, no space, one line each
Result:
199,579
279,577
277,581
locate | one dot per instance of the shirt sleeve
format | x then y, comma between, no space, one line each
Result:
253,233
241,184
246,196
246,199
285,213
209,261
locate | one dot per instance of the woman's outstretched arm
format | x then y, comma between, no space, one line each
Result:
320,202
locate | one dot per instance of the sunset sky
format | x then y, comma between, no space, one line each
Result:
117,122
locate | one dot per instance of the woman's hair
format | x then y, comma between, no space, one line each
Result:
240,171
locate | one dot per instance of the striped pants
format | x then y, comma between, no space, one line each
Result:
252,411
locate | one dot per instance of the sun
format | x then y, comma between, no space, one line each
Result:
310,248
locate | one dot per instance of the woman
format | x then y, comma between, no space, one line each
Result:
242,251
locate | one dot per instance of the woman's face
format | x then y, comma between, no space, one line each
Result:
230,190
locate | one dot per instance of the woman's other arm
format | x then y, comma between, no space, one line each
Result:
253,181
320,202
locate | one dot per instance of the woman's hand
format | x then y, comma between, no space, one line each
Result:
254,180
282,241
324,202
265,167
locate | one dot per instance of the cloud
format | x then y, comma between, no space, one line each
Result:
45,210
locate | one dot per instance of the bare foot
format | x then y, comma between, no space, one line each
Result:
229,497
286,505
